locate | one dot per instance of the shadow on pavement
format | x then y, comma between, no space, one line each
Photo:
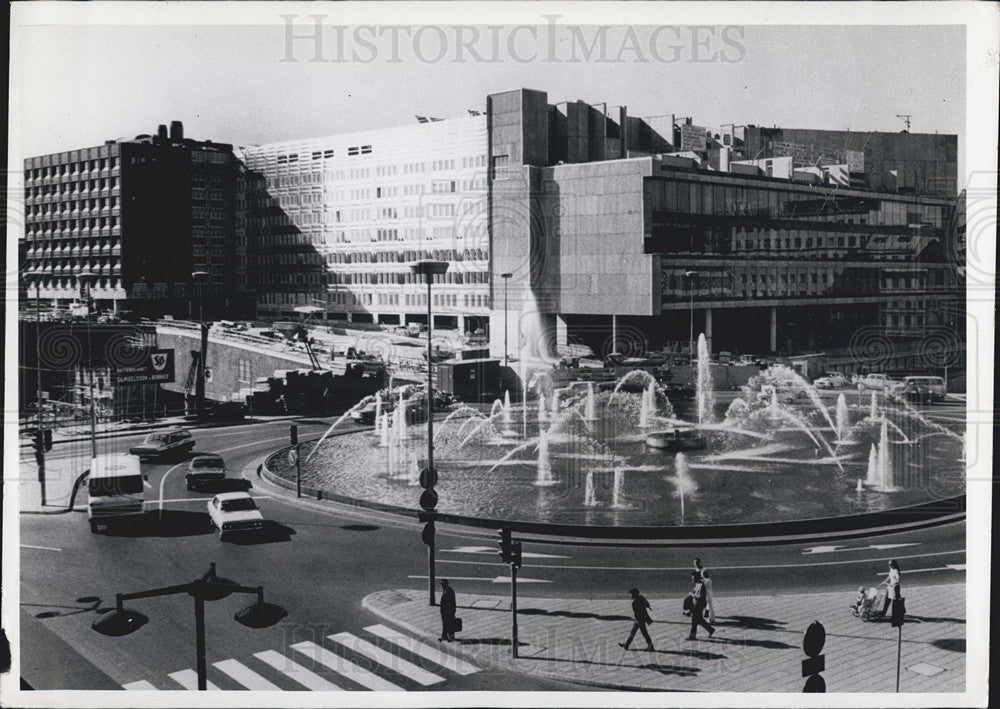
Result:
91,603
165,523
571,614
931,619
359,527
487,641
678,670
749,622
272,532
766,644
226,485
953,644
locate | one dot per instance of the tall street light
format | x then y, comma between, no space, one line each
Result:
506,278
690,276
428,499
86,278
207,588
40,436
197,278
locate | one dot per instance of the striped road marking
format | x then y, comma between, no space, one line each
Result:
396,664
306,677
140,685
189,679
345,667
245,676
414,646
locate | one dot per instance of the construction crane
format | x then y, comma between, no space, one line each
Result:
906,119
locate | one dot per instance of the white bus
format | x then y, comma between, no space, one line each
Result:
115,490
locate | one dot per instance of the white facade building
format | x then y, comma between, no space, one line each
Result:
369,204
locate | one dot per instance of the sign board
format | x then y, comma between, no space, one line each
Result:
157,368
855,161
293,456
694,138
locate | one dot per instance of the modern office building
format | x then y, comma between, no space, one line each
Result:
621,234
345,215
142,216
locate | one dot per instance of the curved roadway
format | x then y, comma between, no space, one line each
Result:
319,560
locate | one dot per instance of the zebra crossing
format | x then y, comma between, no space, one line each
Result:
383,659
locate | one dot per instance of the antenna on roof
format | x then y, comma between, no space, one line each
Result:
906,119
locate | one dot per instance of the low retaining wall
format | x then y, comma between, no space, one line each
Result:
927,514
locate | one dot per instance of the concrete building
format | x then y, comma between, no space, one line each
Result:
626,249
347,214
141,215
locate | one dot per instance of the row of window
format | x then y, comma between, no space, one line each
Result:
382,279
68,188
73,168
407,256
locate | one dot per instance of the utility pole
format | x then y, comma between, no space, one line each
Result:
906,119
40,450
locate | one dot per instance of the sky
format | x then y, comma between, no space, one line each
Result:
79,85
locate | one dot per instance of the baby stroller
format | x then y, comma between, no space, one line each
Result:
870,609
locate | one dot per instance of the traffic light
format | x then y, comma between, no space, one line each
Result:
815,662
38,443
427,535
293,432
505,545
47,438
515,554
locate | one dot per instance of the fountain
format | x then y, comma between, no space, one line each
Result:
590,408
589,497
704,387
648,405
843,418
873,412
544,476
616,489
873,479
770,433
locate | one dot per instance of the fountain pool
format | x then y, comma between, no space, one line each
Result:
769,457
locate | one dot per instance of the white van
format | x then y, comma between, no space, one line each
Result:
115,490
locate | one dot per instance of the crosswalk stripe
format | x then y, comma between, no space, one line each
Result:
139,685
189,679
393,662
449,662
306,677
245,676
345,667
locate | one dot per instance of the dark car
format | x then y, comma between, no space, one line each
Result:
205,470
163,444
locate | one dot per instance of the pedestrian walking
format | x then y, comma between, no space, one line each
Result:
709,595
698,608
892,585
448,608
640,611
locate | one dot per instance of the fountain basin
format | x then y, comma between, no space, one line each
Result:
677,440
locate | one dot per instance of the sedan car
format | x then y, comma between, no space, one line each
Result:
234,512
161,444
831,380
205,470
879,382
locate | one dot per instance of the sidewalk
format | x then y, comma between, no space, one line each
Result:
757,646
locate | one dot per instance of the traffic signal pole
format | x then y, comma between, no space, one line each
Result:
513,610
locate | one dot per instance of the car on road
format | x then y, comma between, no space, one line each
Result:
924,388
204,470
879,382
831,380
164,444
234,512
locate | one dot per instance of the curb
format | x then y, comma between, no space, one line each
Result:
369,605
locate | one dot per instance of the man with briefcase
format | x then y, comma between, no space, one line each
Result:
449,623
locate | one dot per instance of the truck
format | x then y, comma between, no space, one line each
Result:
115,490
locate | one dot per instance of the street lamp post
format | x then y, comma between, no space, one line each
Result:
197,278
506,278
40,447
207,588
428,499
87,278
690,275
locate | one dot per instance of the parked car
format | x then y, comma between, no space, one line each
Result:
205,470
923,388
234,512
879,382
831,380
163,444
